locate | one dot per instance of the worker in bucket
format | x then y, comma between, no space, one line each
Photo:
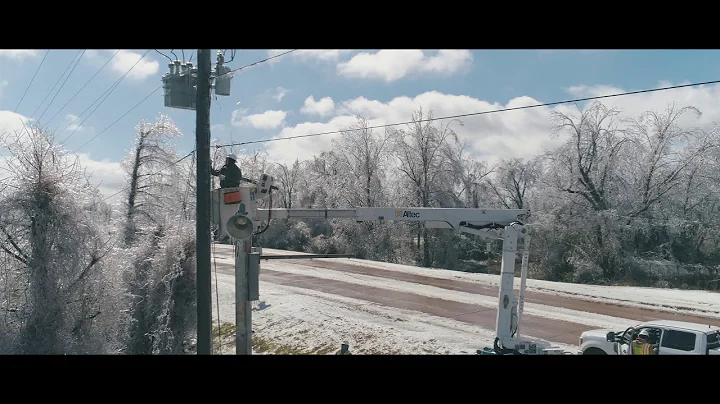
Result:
644,344
344,349
231,173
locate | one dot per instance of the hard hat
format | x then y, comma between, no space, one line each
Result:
231,156
644,333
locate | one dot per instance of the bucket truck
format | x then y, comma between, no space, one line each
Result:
236,214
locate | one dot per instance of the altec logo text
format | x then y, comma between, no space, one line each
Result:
406,213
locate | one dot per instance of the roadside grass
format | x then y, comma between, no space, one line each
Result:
224,344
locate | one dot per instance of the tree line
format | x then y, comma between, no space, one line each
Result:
621,201
81,276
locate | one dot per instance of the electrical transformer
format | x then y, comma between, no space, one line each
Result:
223,76
180,85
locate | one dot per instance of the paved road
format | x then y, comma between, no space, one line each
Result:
551,330
608,309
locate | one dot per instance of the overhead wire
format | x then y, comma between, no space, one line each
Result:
55,85
31,80
153,92
85,85
106,95
62,85
155,173
117,120
258,62
110,89
547,104
168,57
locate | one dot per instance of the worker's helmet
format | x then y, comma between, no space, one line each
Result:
644,334
231,157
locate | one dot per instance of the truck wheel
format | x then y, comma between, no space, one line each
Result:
594,351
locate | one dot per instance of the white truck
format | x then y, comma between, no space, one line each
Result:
674,337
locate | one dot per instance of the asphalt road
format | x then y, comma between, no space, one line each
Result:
539,327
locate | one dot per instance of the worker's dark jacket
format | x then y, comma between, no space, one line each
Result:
232,174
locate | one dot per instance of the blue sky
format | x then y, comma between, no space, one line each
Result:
367,82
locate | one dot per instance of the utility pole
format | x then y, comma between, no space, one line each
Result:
203,205
188,87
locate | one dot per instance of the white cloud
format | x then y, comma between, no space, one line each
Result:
280,93
237,115
73,127
521,133
705,98
11,121
107,175
306,55
270,119
18,53
3,84
124,60
391,65
287,151
324,106
276,94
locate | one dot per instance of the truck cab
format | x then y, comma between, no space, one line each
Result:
670,338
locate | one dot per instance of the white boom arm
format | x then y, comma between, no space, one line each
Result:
239,217
434,218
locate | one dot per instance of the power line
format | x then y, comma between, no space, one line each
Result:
116,121
83,87
258,62
168,57
156,90
31,81
108,92
141,101
478,113
62,85
53,87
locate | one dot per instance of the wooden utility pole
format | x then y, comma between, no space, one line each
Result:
202,232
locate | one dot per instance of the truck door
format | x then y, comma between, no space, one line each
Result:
677,342
712,343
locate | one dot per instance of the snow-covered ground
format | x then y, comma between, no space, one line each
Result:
693,302
302,320
307,321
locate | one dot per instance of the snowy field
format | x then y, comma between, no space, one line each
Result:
301,320
693,302
310,321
